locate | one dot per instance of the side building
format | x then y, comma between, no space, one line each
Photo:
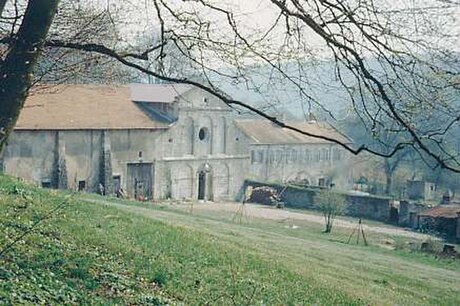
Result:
153,141
282,155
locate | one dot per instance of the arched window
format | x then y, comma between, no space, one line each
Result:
307,156
260,156
326,156
294,156
287,156
318,155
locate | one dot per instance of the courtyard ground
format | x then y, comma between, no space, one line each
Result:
257,211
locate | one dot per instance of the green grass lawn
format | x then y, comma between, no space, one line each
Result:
114,252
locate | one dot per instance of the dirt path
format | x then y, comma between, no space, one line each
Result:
270,213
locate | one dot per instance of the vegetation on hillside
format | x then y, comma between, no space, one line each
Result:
91,254
112,252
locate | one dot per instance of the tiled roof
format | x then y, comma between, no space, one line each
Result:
162,93
442,211
67,107
265,132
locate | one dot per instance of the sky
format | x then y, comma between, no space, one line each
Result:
256,15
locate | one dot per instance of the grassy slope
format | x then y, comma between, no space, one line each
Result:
99,254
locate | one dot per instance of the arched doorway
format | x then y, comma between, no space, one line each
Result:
205,183
201,185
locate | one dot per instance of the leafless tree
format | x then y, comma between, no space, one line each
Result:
81,24
330,204
390,57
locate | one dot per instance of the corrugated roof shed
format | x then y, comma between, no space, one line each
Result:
69,107
265,132
442,211
161,93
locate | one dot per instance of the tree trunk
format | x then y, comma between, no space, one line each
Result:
329,221
2,6
389,184
389,178
16,71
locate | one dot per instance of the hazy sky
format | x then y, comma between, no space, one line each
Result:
254,15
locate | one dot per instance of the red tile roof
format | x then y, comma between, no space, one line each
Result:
67,107
262,131
442,211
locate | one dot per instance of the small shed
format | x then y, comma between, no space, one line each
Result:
443,219
421,190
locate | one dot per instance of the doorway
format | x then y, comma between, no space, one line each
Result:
202,185
394,215
81,185
413,220
205,190
139,181
116,183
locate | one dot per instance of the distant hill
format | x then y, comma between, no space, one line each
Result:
270,90
283,96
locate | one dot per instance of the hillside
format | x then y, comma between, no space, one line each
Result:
90,250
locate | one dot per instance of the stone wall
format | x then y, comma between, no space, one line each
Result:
408,211
444,227
458,227
369,207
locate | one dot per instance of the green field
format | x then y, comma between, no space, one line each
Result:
91,250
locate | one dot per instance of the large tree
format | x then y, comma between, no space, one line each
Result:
21,54
384,50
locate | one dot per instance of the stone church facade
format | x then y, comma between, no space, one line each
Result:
154,141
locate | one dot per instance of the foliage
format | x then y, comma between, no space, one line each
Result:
330,204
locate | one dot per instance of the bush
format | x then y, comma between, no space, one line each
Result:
330,204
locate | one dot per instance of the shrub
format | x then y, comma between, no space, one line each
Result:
330,204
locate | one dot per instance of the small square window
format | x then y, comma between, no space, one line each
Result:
321,182
46,184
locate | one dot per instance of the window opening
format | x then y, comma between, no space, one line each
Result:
203,134
81,185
